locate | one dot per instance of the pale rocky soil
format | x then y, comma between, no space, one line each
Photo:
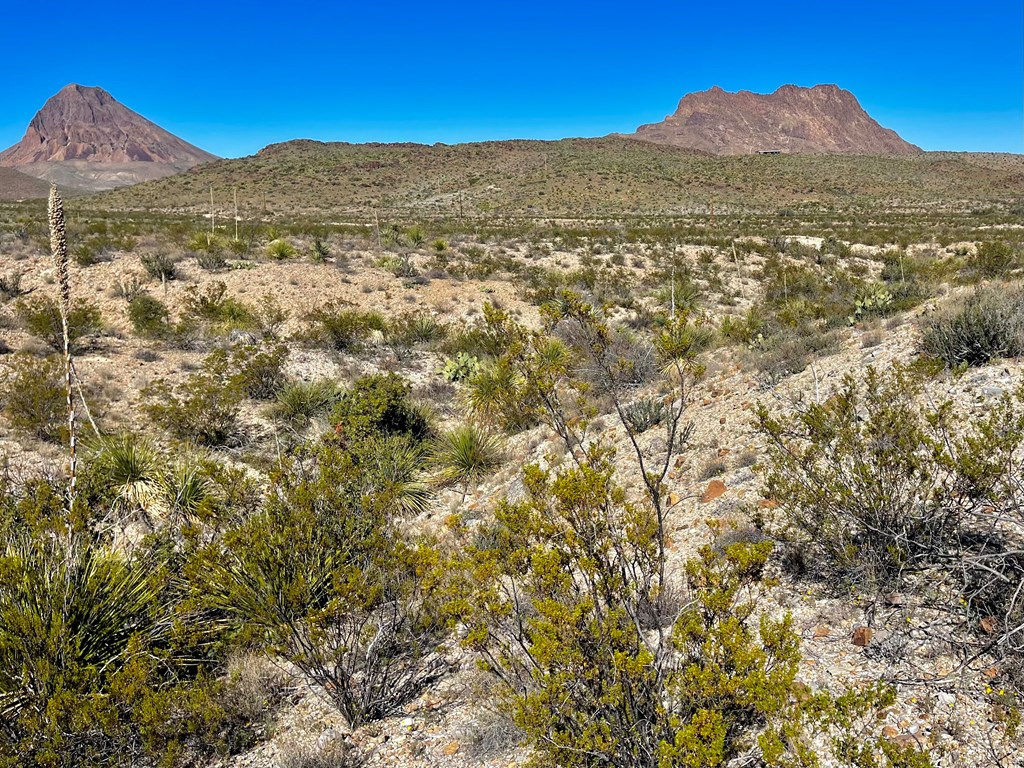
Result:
448,726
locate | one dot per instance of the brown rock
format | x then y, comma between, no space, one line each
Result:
451,749
722,420
715,489
723,452
989,624
822,632
824,119
862,636
890,732
767,503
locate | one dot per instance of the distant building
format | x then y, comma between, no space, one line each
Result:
769,151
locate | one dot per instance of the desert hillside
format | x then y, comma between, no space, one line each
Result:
397,488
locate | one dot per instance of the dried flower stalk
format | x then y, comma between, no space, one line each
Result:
59,249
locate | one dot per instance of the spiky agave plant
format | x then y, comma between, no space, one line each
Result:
59,250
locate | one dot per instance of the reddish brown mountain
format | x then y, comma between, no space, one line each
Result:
84,137
824,119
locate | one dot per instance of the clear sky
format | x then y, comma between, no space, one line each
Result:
233,77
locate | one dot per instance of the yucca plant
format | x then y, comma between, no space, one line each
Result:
68,614
495,394
186,489
319,251
300,402
396,466
465,453
280,249
132,469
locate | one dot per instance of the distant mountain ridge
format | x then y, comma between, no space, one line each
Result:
823,119
84,137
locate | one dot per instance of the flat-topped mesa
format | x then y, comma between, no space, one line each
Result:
825,119
83,125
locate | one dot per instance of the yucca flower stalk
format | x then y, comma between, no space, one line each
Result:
59,249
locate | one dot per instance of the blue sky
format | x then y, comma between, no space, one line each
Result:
233,77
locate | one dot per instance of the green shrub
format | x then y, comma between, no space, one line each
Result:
10,284
204,408
211,304
323,578
149,317
379,405
986,325
34,398
995,259
914,483
41,317
160,265
598,666
260,370
343,329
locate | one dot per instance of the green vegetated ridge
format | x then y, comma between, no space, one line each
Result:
569,177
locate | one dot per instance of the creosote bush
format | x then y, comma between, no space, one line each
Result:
879,491
33,396
149,317
324,578
973,331
204,408
41,317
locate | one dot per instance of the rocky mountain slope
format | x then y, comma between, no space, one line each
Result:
83,137
824,119
18,186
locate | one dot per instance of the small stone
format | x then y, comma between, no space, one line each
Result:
890,732
894,598
723,452
673,499
408,723
767,504
862,636
989,624
991,673
722,420
822,632
451,749
715,489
